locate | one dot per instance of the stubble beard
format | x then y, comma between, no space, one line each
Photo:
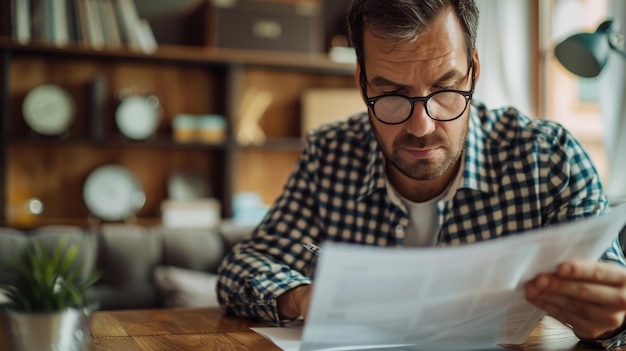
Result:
420,169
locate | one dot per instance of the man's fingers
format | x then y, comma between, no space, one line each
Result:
597,272
588,295
602,295
587,321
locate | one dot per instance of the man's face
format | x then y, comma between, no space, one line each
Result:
420,148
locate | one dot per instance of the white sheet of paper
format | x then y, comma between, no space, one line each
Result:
465,297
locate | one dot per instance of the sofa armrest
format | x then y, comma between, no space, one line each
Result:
12,244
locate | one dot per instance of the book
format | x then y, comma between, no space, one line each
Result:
45,21
82,22
110,23
97,102
60,35
36,21
94,25
22,21
6,18
147,41
129,22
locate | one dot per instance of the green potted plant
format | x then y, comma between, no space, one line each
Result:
48,305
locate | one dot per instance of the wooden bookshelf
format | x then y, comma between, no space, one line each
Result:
187,80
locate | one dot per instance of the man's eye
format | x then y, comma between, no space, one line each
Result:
395,91
444,87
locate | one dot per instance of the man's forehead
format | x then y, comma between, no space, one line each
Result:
444,36
405,57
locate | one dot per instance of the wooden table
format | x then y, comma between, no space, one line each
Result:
209,329
175,329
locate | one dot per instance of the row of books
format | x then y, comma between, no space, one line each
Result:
98,24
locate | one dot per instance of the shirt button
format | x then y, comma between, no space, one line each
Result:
399,229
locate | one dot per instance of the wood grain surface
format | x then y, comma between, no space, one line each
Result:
195,329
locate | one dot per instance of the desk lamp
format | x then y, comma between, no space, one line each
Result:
585,54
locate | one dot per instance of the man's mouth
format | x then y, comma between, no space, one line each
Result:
422,152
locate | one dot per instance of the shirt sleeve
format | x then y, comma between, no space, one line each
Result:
616,341
576,191
573,187
259,269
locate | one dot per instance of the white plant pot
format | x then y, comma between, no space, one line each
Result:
56,331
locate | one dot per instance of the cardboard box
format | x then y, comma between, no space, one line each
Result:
325,105
275,25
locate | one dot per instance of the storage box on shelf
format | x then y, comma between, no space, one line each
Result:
186,81
258,25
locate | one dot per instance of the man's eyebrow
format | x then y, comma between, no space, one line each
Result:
448,76
384,82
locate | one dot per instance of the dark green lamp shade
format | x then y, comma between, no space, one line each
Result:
584,54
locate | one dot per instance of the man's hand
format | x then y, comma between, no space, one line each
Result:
590,296
295,302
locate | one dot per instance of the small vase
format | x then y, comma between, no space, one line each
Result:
66,330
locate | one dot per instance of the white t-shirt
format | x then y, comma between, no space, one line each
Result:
424,223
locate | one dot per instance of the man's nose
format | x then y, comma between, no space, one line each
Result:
419,124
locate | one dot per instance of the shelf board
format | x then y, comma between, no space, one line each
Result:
78,222
285,143
158,142
282,143
195,54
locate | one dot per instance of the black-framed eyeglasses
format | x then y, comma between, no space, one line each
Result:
443,105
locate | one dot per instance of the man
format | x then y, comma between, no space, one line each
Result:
425,166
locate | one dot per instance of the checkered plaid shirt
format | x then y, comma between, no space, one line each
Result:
519,174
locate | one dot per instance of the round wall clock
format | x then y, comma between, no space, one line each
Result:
137,117
112,192
48,109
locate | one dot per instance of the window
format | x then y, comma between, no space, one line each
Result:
571,100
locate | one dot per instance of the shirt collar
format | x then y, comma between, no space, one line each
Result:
375,170
477,173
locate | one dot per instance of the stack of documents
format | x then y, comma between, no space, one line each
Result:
465,297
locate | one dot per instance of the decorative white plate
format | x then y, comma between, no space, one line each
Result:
48,109
113,193
138,117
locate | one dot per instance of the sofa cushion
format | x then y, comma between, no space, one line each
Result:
181,287
127,254
86,243
196,249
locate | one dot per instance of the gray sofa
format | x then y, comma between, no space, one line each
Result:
142,267
139,267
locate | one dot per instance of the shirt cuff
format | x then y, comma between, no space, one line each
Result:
615,341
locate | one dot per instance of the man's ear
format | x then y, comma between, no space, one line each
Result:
476,66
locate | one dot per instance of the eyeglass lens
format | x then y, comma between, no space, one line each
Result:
443,106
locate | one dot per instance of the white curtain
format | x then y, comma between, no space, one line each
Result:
504,43
613,107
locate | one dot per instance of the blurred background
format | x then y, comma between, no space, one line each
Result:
189,113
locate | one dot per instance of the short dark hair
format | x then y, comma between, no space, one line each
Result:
401,21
